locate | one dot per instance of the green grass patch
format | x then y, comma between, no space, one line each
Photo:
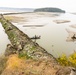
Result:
24,55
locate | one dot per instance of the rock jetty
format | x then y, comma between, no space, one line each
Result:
40,63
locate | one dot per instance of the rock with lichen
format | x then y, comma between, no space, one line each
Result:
10,50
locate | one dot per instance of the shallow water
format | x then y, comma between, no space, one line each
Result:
3,40
53,36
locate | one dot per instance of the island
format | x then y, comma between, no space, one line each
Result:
49,10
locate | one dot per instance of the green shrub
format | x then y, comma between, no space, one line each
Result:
67,61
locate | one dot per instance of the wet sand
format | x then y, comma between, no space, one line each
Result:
73,26
61,21
71,33
15,19
33,25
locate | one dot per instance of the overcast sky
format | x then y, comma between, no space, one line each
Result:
68,5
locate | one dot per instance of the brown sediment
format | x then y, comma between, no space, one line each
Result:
15,19
73,26
61,21
33,25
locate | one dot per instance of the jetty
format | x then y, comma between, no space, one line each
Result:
23,44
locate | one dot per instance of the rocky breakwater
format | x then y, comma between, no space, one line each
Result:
21,44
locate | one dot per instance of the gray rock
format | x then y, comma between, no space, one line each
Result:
73,71
10,50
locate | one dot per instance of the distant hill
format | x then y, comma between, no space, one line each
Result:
49,10
16,9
